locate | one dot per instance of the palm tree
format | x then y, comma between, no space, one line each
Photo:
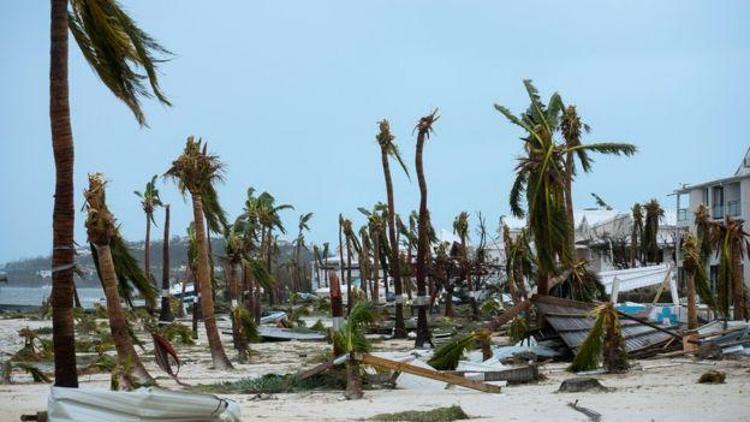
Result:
518,263
377,235
389,149
166,311
302,227
423,128
235,258
650,242
105,238
542,175
351,243
571,127
461,228
636,233
195,170
731,244
115,48
692,264
351,339
149,201
269,218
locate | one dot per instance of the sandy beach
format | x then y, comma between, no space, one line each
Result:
655,389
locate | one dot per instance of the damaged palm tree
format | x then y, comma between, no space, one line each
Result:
150,200
388,148
604,343
103,234
196,170
424,128
692,264
650,242
350,339
446,357
731,244
461,229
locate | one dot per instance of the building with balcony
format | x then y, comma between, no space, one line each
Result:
729,196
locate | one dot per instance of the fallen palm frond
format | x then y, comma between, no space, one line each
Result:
440,414
276,383
248,328
603,342
36,374
165,355
446,357
176,330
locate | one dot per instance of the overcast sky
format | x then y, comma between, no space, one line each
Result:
288,93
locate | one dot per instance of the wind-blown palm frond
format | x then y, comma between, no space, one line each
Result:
600,201
116,48
446,357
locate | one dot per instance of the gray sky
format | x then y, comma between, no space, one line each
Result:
289,93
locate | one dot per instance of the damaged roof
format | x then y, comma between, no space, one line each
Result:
572,321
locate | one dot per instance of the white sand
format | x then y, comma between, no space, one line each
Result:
659,390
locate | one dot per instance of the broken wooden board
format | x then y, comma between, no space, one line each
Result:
427,373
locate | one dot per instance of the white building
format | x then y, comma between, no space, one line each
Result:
729,196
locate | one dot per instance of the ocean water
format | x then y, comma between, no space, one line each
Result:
34,296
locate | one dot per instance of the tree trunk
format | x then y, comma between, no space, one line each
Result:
738,288
399,330
449,300
349,298
147,260
423,239
569,205
240,342
376,264
212,279
691,308
218,355
63,215
337,309
353,380
126,354
166,311
269,252
467,269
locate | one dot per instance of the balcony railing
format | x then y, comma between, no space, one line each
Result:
717,211
682,214
733,208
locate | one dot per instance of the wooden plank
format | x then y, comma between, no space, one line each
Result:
427,373
316,370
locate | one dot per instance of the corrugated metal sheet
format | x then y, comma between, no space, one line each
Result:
572,321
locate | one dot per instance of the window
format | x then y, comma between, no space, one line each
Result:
717,201
705,196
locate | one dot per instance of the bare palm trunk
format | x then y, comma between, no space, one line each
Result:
376,263
337,308
147,259
349,298
218,355
569,204
63,216
399,330
353,380
166,311
423,239
126,354
738,288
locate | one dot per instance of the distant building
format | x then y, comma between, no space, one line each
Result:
729,196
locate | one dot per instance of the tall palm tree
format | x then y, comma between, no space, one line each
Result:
149,201
302,227
376,231
388,148
116,48
571,128
650,242
104,235
731,244
365,271
636,233
542,175
194,171
461,229
166,311
350,239
423,128
235,258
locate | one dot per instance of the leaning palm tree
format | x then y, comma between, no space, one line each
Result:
650,242
388,148
571,127
636,233
269,219
423,128
194,171
302,226
105,238
150,200
117,49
